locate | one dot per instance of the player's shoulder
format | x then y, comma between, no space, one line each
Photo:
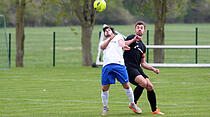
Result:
118,36
130,37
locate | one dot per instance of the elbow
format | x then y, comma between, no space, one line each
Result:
127,43
143,64
102,47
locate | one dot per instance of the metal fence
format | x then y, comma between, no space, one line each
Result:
60,46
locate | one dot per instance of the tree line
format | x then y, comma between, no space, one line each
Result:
23,13
120,11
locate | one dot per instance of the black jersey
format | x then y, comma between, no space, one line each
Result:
137,51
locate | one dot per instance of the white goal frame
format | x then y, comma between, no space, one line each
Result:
100,62
6,41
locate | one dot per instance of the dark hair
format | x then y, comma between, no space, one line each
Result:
108,27
140,23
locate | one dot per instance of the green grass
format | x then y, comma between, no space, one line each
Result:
71,90
75,91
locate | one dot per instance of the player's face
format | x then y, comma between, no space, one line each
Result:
108,32
139,30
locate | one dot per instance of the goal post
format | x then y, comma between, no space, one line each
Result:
4,53
187,55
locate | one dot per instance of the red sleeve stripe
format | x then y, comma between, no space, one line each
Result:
143,55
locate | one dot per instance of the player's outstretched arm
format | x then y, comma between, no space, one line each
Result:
136,38
149,67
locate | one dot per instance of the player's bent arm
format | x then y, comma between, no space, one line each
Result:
147,66
105,44
121,42
123,45
136,38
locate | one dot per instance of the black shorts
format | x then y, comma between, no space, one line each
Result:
133,72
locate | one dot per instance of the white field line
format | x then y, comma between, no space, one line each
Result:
74,80
181,82
88,80
64,102
99,79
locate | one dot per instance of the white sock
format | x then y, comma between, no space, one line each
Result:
105,97
129,93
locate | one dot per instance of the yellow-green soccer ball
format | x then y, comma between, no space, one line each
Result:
99,5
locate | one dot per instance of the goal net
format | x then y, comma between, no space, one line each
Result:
4,58
175,55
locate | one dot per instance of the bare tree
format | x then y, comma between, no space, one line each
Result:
160,7
85,12
160,10
86,15
20,36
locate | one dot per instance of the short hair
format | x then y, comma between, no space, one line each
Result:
140,23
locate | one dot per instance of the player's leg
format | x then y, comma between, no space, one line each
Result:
141,84
129,92
122,77
141,81
152,98
137,93
137,79
151,95
105,98
105,94
105,76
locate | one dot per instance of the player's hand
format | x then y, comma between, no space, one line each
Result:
137,38
126,47
112,36
156,71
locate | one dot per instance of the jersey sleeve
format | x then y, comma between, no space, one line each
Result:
143,55
144,51
119,37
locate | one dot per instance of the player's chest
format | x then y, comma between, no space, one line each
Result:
113,44
138,48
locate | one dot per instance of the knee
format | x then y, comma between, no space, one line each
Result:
143,84
105,89
141,81
126,86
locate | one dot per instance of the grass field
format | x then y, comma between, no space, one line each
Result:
71,90
75,91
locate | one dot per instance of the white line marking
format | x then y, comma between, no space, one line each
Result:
61,102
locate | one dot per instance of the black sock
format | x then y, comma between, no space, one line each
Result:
152,99
137,93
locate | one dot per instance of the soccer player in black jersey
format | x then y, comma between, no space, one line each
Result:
134,59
